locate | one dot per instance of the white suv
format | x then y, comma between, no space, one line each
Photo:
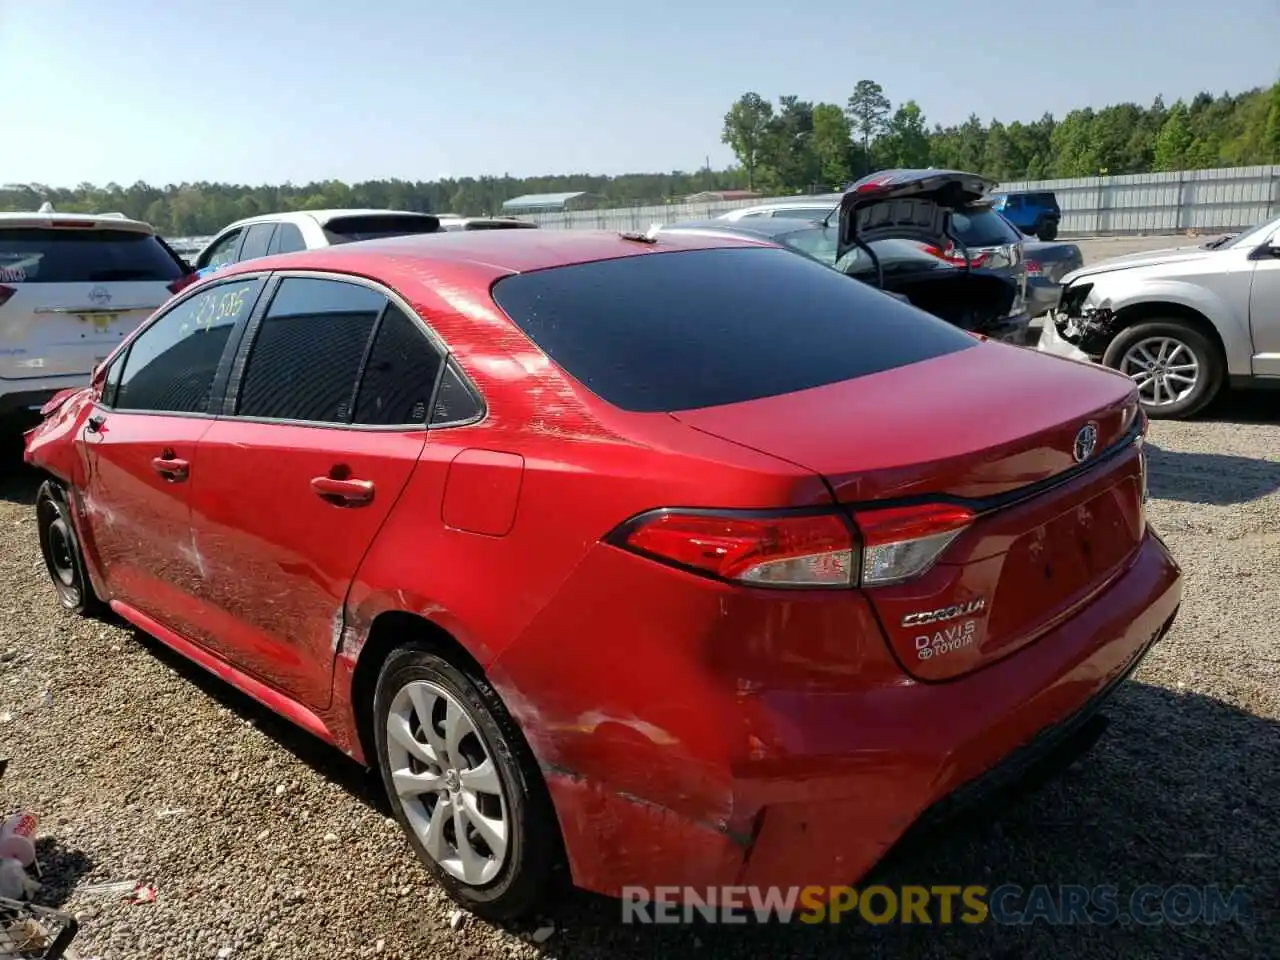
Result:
72,286
306,230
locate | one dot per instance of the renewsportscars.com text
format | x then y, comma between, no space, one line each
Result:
1006,904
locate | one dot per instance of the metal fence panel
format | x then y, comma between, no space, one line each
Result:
1204,201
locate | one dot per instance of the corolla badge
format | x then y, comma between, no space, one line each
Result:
100,296
1086,442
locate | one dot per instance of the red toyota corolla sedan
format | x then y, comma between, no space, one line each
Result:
637,562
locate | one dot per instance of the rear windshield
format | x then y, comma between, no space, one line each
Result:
377,226
679,331
983,227
80,255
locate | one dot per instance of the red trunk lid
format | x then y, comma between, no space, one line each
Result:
997,427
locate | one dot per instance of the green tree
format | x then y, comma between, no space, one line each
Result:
906,141
1269,146
789,159
868,111
831,142
1173,141
746,129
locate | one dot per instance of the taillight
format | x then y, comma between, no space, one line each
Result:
1141,443
799,549
183,282
1033,268
5,294
899,543
954,257
763,550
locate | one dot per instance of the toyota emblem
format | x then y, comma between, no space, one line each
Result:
1086,442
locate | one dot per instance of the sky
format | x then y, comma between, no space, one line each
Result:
269,91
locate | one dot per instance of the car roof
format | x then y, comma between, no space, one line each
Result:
321,217
482,255
97,220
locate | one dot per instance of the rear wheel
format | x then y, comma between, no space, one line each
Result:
1047,230
61,550
465,787
1178,369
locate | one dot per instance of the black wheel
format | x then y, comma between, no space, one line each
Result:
1047,230
1178,369
465,787
61,550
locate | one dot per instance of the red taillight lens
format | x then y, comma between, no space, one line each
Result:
183,282
899,543
780,550
5,294
955,257
1033,268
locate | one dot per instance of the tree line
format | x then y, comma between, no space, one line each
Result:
793,146
799,145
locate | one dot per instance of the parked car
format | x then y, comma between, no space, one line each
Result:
1182,322
1046,264
306,230
979,287
71,287
617,564
453,222
1034,212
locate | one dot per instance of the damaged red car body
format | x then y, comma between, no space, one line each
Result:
638,561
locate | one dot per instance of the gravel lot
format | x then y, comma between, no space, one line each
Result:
262,841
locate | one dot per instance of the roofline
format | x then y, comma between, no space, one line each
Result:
321,217
99,220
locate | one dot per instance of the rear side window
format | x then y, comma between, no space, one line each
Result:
307,352
399,375
171,366
377,226
80,255
257,240
678,331
288,239
982,227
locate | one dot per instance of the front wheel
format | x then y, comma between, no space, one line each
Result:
1178,369
465,788
60,548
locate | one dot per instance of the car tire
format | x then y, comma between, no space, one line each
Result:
1179,340
493,787
1047,230
63,558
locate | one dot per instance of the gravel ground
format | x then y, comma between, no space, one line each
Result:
262,842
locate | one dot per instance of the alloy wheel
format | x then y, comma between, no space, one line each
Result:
448,784
1165,370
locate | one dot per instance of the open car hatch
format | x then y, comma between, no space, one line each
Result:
905,205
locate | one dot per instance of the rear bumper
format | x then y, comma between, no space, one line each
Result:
1042,295
28,396
850,774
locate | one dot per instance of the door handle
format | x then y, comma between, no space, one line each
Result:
171,468
344,492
